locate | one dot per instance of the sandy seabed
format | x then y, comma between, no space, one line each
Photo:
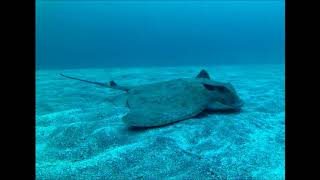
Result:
80,135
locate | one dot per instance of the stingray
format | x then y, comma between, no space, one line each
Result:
167,102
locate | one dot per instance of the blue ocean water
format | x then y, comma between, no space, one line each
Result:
79,130
73,34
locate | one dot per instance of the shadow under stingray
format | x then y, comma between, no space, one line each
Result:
203,114
206,113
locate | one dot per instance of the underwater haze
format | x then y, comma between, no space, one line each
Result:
82,34
80,133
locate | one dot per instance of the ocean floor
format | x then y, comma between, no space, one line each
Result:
80,135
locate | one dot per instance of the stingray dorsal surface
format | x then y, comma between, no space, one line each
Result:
165,102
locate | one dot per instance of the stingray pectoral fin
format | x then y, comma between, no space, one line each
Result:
118,100
139,118
142,119
217,106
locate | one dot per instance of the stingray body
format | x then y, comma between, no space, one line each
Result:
153,105
167,102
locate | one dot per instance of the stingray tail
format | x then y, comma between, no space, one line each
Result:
111,84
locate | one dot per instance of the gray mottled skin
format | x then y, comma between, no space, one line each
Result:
167,102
